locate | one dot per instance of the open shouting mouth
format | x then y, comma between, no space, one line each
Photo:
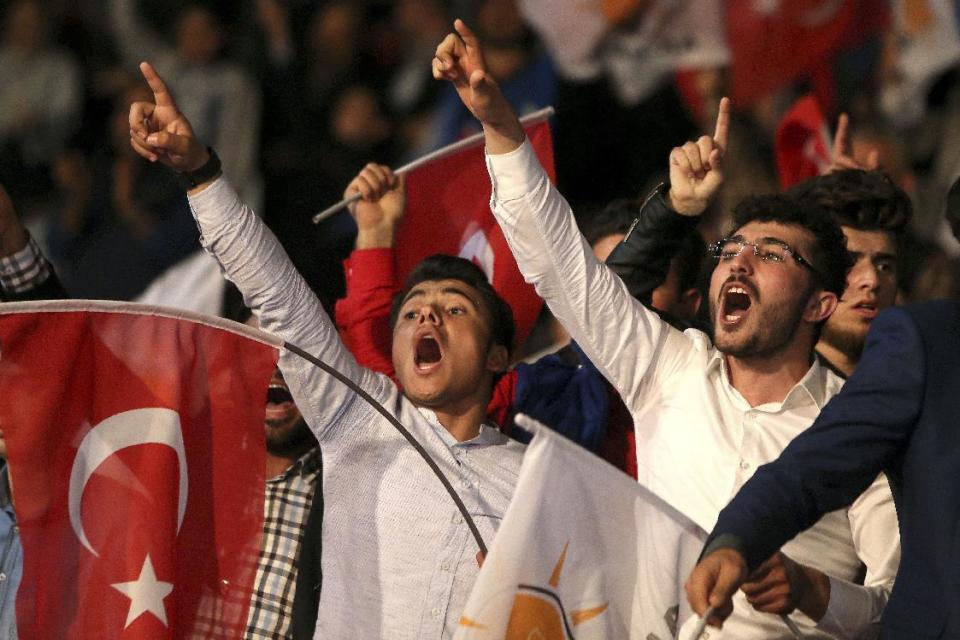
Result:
427,352
735,302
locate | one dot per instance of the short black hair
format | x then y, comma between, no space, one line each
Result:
614,218
863,200
829,255
445,267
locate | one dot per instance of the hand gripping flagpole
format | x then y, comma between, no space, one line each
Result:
460,145
403,431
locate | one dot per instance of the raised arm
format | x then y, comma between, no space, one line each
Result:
620,336
363,316
254,260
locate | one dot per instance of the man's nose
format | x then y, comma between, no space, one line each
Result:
864,275
428,315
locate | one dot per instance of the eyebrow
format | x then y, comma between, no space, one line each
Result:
880,255
449,290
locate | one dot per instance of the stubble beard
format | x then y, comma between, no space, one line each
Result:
774,330
847,341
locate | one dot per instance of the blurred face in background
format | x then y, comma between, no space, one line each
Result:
199,36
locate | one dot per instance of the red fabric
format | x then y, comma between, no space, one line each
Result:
363,315
448,211
73,373
774,44
802,143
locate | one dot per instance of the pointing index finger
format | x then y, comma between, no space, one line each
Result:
466,33
841,140
722,131
161,95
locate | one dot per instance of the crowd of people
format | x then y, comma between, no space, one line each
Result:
688,368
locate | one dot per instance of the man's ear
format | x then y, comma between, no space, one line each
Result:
821,305
498,359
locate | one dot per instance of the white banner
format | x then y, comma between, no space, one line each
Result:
583,552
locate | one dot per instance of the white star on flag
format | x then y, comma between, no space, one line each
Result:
146,594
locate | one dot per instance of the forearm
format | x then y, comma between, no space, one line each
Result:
591,302
254,260
363,315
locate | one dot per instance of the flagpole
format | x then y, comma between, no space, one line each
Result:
460,145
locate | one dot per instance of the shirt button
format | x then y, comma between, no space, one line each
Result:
467,484
744,465
445,566
435,612
3,577
456,519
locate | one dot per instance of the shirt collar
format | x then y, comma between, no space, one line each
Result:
489,434
812,386
306,465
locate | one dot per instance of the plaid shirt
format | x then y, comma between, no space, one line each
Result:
23,270
286,506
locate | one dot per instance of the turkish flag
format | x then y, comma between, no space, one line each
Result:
774,43
448,211
802,143
136,448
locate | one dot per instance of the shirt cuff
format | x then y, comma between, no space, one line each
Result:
24,270
851,609
514,174
723,541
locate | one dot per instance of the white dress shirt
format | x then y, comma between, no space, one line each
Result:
698,439
398,560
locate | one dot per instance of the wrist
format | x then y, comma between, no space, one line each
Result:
13,239
815,594
205,169
684,206
377,237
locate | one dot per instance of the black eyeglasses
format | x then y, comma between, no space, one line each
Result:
767,249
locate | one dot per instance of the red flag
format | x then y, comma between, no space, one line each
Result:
136,449
774,43
448,211
802,144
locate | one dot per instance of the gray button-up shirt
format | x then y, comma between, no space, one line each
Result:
398,560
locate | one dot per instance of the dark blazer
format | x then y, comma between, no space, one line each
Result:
898,413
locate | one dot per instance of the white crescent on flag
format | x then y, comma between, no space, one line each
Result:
119,431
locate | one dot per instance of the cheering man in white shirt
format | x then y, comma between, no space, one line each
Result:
706,415
398,558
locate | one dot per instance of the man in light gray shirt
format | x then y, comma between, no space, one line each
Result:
398,559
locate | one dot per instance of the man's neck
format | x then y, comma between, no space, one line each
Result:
843,362
462,424
277,464
768,379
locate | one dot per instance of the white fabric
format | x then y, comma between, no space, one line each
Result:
398,560
698,440
639,55
583,534
195,283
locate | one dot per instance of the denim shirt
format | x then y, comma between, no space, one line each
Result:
11,560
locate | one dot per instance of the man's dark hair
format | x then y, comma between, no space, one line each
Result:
863,200
828,255
614,218
444,267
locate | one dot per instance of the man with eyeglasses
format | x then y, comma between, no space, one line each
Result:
706,415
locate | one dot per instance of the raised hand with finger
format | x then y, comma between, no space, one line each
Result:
841,153
380,208
696,172
459,59
159,132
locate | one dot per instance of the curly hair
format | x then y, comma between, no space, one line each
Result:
829,255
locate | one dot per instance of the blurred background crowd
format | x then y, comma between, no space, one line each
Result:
297,95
